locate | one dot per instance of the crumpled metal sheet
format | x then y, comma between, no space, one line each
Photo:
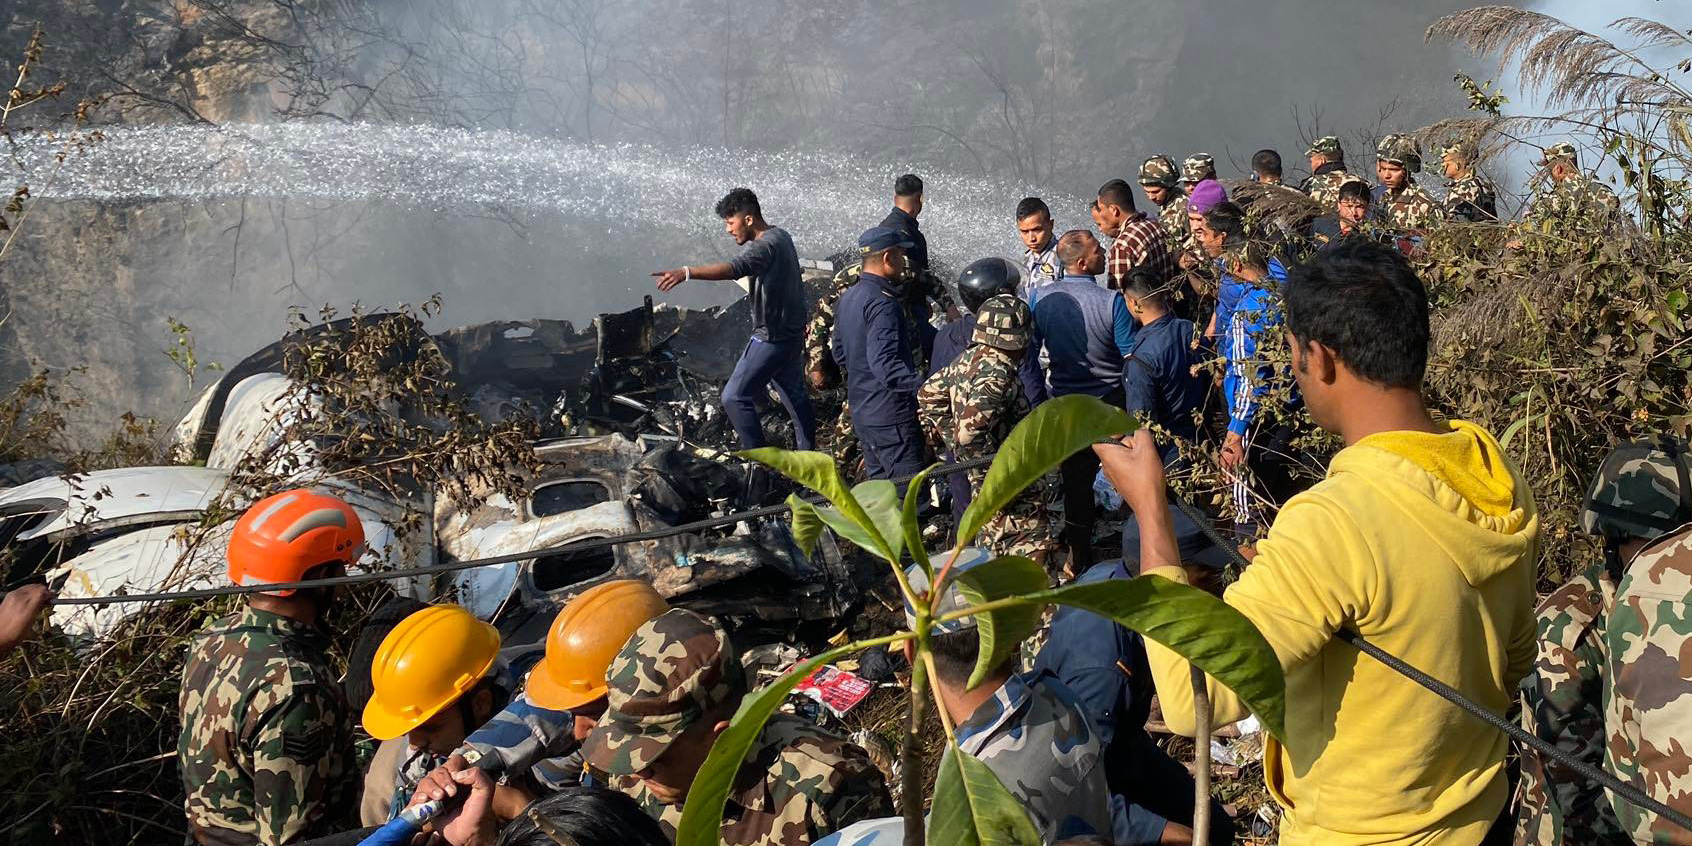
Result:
110,498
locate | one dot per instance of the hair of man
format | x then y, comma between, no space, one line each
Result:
1030,206
1143,285
585,816
1227,218
1266,163
955,654
739,201
1362,301
1355,189
1074,245
1117,193
909,185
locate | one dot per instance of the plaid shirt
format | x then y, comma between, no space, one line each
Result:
1140,244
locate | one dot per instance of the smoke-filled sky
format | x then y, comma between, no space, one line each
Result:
988,99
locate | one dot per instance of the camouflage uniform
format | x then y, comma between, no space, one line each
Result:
1324,187
1579,201
1470,197
1410,208
1638,493
1197,168
798,783
266,745
1648,705
1160,171
1032,734
968,409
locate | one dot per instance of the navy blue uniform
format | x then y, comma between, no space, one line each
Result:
1104,664
1158,382
872,345
917,253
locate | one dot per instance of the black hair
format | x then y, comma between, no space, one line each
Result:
1117,193
1266,163
955,654
1362,300
376,627
585,816
1355,189
739,201
908,185
1032,206
1227,218
1147,287
1071,245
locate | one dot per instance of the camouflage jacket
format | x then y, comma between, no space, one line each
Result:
1324,188
819,331
1580,200
1562,702
1032,734
1472,198
1648,704
1407,209
967,409
1173,216
266,745
798,784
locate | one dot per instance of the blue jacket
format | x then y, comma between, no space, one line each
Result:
1158,380
873,348
1075,324
1246,315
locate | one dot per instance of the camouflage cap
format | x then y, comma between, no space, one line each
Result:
1401,150
1641,490
1465,151
1560,150
1327,145
1159,170
1002,322
969,557
1198,167
674,670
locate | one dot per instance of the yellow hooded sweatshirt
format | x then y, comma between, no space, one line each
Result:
1426,545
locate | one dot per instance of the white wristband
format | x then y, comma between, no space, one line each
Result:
687,273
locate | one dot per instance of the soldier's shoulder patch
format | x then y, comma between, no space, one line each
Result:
306,743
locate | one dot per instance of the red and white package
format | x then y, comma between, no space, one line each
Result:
837,690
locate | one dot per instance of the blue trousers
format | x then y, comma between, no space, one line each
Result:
892,451
764,362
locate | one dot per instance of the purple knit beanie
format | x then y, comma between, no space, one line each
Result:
1206,195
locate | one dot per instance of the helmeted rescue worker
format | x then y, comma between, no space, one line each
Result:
539,732
266,746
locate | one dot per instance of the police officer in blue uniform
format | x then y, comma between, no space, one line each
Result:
873,345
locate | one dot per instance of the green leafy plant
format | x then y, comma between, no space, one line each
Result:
1006,596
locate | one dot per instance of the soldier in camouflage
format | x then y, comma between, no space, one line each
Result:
1570,197
1469,196
1327,171
266,745
969,407
1402,205
1027,727
672,690
1161,183
1639,494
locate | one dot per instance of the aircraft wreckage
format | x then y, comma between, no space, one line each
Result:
631,428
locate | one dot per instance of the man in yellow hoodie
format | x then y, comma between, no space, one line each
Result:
1422,538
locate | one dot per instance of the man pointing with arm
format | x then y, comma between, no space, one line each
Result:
776,348
1422,538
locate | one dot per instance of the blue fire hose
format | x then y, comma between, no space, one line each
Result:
399,830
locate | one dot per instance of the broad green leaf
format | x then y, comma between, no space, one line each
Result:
1001,630
1195,625
702,817
807,523
913,532
973,808
880,500
1056,430
866,538
816,471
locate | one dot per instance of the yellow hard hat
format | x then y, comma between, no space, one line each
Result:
424,665
585,637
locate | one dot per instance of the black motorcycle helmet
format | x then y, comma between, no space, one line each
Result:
986,278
